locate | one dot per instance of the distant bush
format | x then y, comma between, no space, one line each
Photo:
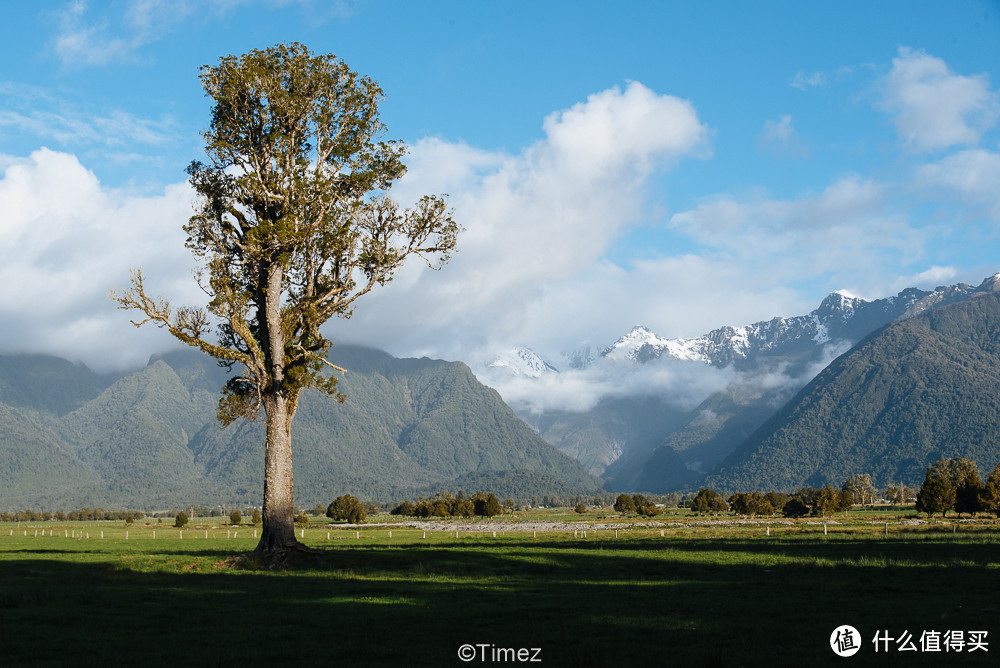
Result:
302,518
644,506
346,507
486,505
235,518
624,504
181,519
256,518
795,507
708,501
405,508
753,504
580,508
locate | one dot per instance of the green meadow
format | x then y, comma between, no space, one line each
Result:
698,595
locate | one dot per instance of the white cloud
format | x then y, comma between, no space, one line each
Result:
779,136
67,241
972,174
932,107
934,276
848,232
103,35
83,42
679,383
534,221
803,81
73,128
683,384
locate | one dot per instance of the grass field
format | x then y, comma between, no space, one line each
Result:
700,595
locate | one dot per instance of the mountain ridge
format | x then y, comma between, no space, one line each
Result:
150,438
767,362
922,388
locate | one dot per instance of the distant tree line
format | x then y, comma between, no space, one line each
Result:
81,515
949,484
803,501
444,504
955,484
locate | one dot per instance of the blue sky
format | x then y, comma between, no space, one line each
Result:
681,165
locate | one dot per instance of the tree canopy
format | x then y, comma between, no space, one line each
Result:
294,222
937,493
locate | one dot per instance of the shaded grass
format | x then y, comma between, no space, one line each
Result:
713,598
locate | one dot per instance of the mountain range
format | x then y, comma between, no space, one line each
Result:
647,441
916,391
883,387
70,437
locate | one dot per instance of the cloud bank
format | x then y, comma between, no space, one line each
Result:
67,241
549,257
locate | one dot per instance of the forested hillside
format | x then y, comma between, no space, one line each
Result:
916,391
149,438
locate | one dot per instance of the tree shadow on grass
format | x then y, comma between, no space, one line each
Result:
630,603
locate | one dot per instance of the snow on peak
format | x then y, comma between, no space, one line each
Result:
521,361
643,344
822,331
628,346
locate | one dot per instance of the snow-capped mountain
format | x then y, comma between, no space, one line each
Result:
619,410
521,361
642,345
840,316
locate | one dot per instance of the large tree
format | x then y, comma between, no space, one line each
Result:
991,492
937,493
968,485
293,223
862,488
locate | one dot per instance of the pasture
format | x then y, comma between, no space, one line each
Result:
701,594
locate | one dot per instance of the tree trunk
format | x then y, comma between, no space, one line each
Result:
278,516
279,505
